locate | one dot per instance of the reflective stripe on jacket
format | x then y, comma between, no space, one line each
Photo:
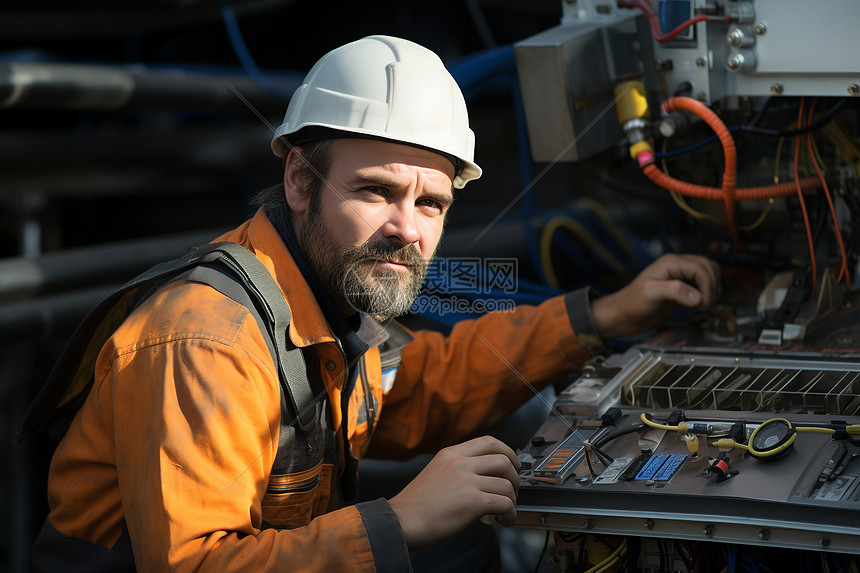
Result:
172,453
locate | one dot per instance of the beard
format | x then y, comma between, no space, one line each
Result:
354,277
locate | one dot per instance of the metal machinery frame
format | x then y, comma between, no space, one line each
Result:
795,357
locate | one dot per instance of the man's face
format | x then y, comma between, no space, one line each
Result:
380,219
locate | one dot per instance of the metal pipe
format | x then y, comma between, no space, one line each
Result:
110,87
37,320
25,278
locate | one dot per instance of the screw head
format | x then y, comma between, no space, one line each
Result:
776,89
649,524
708,530
589,524
701,62
543,519
735,62
764,534
735,37
854,89
760,28
824,541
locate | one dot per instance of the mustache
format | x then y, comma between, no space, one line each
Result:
383,249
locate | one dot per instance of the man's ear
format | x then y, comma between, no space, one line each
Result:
295,184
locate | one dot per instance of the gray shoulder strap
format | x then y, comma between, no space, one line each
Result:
261,296
258,282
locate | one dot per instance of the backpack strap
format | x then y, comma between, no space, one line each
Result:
258,282
228,268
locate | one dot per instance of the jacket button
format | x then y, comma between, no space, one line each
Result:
330,365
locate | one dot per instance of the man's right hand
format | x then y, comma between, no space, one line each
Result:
461,483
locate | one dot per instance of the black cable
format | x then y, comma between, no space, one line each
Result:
542,551
569,537
589,463
819,122
611,437
662,551
602,456
651,193
580,559
761,113
688,560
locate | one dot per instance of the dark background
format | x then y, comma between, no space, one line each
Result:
92,193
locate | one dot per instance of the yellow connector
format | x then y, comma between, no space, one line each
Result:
630,102
639,147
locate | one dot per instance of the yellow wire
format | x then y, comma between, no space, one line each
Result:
680,202
655,425
755,224
818,430
729,443
818,158
776,161
610,559
845,146
679,199
560,221
609,565
601,213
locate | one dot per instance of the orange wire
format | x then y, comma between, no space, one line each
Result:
729,193
730,155
802,201
843,270
715,193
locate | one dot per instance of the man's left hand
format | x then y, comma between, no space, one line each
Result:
670,281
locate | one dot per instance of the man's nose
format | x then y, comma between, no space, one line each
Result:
400,224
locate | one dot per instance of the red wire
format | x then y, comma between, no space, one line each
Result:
802,202
654,21
843,270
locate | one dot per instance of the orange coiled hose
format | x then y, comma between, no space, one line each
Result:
729,192
716,194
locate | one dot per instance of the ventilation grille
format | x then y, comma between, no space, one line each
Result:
679,381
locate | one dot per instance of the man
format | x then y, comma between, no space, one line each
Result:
183,456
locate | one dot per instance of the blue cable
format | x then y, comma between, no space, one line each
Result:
524,151
472,70
241,50
696,145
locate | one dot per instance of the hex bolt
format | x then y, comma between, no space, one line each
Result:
649,524
760,28
708,530
854,89
735,37
735,62
589,524
543,519
824,541
764,534
776,89
701,62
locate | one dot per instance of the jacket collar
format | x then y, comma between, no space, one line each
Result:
315,318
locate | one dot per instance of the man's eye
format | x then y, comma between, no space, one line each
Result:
432,204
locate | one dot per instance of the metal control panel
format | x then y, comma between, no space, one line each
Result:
656,485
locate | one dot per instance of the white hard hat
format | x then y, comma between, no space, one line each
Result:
387,88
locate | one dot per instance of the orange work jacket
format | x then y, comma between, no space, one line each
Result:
179,456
